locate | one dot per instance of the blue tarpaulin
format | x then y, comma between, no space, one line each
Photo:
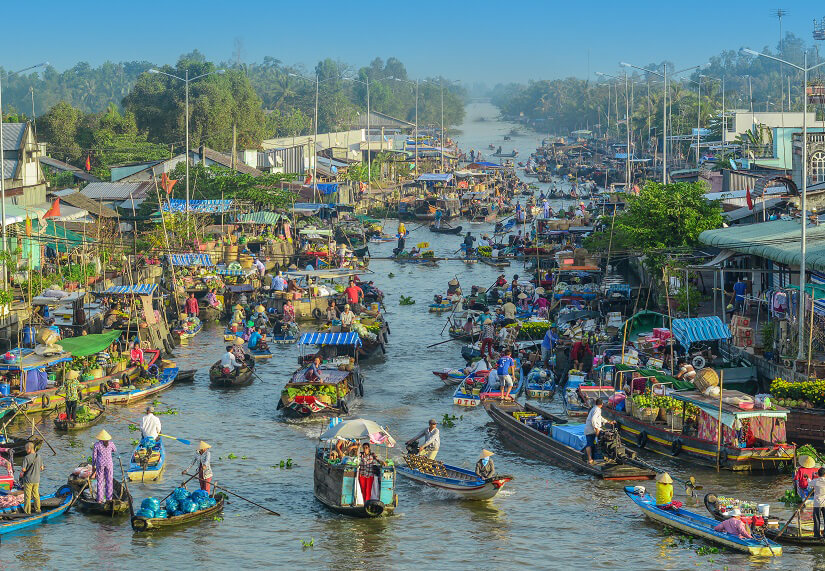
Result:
571,435
694,329
137,289
436,177
328,188
191,260
350,338
201,206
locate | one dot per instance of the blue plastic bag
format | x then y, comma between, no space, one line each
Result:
150,504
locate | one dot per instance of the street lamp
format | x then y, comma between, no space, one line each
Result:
627,128
186,80
416,82
663,75
804,69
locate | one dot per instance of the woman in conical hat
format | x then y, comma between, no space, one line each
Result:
485,467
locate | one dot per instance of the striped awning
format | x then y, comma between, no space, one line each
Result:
199,206
137,289
263,217
191,260
227,272
350,338
694,329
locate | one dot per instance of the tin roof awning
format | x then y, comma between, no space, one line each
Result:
191,260
136,289
695,329
350,338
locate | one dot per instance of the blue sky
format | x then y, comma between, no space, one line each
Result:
485,41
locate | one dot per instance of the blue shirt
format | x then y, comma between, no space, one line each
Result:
253,339
739,289
482,317
504,364
279,283
550,340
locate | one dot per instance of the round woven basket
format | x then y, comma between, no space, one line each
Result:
705,378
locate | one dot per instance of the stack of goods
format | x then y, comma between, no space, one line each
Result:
741,331
190,324
181,502
84,414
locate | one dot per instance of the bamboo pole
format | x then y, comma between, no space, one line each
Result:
810,332
670,320
719,422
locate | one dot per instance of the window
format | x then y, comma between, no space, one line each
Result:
818,167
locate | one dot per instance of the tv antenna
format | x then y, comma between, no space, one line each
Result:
819,29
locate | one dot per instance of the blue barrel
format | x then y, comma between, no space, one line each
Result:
5,389
29,333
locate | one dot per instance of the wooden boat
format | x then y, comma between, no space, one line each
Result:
141,390
445,229
329,397
229,335
537,388
453,377
699,525
799,531
260,354
141,524
440,307
17,445
475,388
209,313
464,483
51,506
494,262
86,502
183,333
185,376
147,464
579,395
240,378
548,436
66,425
336,479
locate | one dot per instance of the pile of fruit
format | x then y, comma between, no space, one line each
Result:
325,393
532,330
806,394
485,251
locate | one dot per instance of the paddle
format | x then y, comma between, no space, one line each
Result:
440,343
126,487
246,499
181,486
136,423
54,452
793,515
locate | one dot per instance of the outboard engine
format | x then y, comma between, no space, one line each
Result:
610,443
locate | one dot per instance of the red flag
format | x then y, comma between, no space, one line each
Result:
749,199
308,179
167,183
54,211
88,164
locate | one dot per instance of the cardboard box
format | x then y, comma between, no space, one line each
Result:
740,321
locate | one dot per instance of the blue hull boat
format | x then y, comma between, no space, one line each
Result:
52,506
464,483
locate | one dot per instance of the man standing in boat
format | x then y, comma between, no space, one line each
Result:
150,424
592,429
432,440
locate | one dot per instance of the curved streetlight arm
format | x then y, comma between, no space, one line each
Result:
755,53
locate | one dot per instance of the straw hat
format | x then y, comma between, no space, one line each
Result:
664,478
522,296
488,321
453,282
806,461
539,290
239,341
204,446
486,453
260,309
103,435
239,306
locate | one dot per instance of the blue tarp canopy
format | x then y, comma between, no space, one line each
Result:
231,272
350,338
694,329
137,289
200,206
27,360
436,177
327,188
191,260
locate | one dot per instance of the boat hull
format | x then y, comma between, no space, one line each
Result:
480,489
142,524
335,485
64,499
168,376
137,473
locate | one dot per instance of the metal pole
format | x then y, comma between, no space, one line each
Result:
801,334
186,83
627,126
369,145
664,131
416,128
3,184
698,122
315,143
442,125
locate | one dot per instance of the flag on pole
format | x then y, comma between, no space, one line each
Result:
749,198
88,164
167,183
54,211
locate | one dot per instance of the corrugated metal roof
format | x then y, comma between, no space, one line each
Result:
351,338
692,330
116,190
79,200
13,136
779,241
10,167
140,289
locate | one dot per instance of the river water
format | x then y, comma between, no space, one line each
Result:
547,518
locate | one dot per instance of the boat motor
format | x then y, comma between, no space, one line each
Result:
610,444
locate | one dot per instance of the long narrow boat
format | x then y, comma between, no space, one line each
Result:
478,386
241,378
445,229
86,502
155,524
698,525
51,506
550,437
463,483
260,354
799,531
130,394
63,424
182,332
147,464
494,262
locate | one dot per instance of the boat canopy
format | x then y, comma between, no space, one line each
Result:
730,412
28,360
89,344
350,338
136,289
262,217
330,274
435,177
315,232
191,260
694,329
198,206
359,429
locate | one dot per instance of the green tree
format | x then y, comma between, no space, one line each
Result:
59,128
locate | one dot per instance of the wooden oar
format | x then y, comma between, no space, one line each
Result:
440,343
128,494
173,491
246,499
793,515
54,452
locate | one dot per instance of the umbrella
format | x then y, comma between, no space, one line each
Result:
359,429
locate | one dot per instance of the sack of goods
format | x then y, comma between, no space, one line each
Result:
182,502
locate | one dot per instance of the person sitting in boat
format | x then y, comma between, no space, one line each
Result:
432,440
238,316
229,362
212,299
805,474
664,489
136,353
313,372
452,286
150,426
332,311
485,467
734,525
289,312
468,326
476,367
686,371
347,319
257,341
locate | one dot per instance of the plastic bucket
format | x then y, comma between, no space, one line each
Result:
764,509
29,333
5,389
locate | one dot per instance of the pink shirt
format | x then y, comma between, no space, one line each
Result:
733,526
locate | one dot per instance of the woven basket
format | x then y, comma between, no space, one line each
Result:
674,421
705,378
649,414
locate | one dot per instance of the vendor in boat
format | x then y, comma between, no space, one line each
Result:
238,315
432,440
202,460
237,349
332,311
664,489
734,525
686,371
289,312
347,319
509,312
102,465
368,465
817,489
488,336
354,294
191,306
212,299
136,353
278,282
150,426
452,286
485,467
313,372
506,371
806,473
548,345
592,429
30,478
229,363
257,340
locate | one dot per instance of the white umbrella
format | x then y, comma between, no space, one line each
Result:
359,429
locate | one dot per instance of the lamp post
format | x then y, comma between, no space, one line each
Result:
186,81
315,139
663,75
804,69
416,83
627,128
